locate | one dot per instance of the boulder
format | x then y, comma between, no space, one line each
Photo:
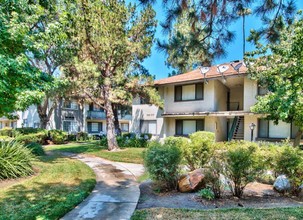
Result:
282,184
191,181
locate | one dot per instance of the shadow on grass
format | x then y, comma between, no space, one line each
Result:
43,201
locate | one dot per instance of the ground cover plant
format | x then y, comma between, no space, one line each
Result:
57,188
15,160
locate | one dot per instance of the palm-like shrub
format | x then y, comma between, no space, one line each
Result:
15,160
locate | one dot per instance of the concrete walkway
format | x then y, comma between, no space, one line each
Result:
116,193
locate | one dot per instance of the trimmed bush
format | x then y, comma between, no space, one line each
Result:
36,148
82,136
71,137
162,163
26,131
180,142
58,136
199,151
242,164
146,136
212,176
290,163
15,160
40,138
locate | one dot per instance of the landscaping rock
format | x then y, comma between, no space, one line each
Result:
191,181
282,184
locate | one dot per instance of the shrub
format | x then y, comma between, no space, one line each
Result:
103,142
162,163
15,160
40,138
212,176
207,194
71,137
58,136
36,148
180,142
290,163
28,131
146,136
6,132
200,150
82,136
242,164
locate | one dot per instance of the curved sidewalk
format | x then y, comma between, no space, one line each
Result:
116,193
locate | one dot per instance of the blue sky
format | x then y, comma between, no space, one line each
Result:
156,62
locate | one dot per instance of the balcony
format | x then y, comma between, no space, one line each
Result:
96,115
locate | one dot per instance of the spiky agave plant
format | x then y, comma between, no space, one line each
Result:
15,160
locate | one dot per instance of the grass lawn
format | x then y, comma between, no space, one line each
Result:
128,155
223,214
58,187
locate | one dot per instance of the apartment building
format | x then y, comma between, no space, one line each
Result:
72,117
216,99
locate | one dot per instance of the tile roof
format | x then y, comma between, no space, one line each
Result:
197,75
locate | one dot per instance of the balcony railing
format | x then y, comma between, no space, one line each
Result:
96,115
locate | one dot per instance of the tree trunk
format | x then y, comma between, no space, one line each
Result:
110,127
116,122
45,112
298,137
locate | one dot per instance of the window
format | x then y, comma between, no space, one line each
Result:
189,92
25,123
70,126
148,126
124,127
70,104
36,124
186,127
94,127
267,129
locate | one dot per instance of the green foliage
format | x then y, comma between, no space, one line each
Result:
36,148
242,164
290,163
82,136
58,136
212,176
127,141
280,71
207,194
162,163
6,132
110,54
15,160
6,138
199,151
27,131
39,137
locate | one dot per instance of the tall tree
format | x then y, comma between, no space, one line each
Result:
244,12
185,47
280,70
50,49
215,18
18,79
113,39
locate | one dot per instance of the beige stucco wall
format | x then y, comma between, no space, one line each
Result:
236,95
248,119
250,93
220,96
189,106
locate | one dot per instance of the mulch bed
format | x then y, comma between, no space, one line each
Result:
256,195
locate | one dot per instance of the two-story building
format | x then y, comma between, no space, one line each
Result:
72,117
216,99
